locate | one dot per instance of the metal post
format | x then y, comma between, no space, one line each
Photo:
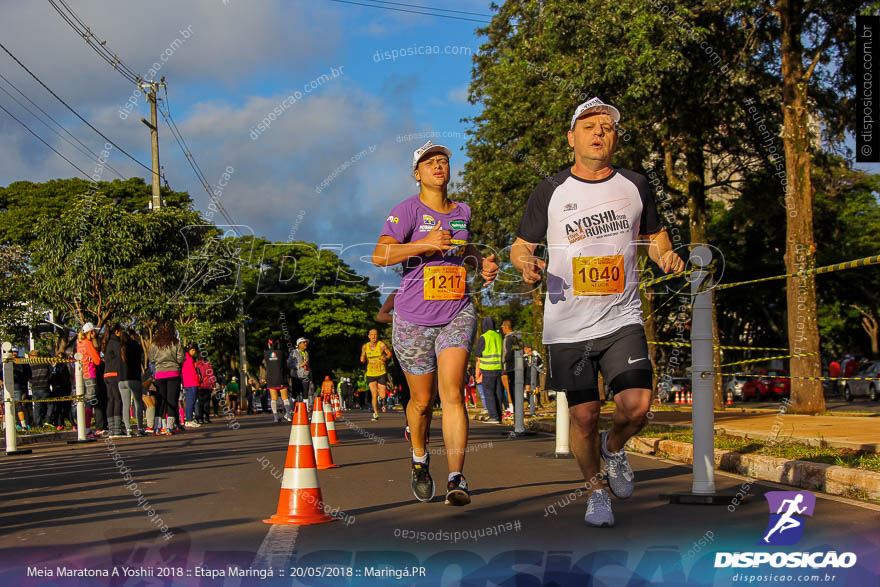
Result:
80,404
562,451
9,404
702,415
533,382
80,392
519,424
519,417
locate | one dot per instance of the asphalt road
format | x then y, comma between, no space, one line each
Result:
70,506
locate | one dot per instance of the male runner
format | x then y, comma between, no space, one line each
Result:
274,365
301,370
374,353
384,316
591,216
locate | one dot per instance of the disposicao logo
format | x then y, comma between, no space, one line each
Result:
785,528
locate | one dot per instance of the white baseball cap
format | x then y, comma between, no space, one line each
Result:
301,339
428,147
593,106
88,327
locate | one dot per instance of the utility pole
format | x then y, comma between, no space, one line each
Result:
153,125
242,349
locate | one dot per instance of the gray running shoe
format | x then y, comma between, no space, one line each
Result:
457,492
422,484
619,473
599,512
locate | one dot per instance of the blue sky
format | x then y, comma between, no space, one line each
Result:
240,60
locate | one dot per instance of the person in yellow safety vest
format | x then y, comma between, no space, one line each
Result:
488,354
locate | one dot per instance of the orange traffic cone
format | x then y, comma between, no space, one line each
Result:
690,399
729,398
319,437
338,405
301,501
331,424
677,397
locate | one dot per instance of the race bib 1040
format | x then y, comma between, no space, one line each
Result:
598,276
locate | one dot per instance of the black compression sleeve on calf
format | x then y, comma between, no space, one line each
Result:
635,378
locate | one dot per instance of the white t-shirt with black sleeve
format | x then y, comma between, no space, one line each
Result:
591,229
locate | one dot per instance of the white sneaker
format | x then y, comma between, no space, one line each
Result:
192,424
619,473
599,512
287,417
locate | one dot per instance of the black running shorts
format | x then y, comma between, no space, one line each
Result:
380,379
622,358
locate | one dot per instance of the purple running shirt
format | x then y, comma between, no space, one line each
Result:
410,221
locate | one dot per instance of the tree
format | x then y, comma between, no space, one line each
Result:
16,293
121,266
679,103
808,42
295,289
23,204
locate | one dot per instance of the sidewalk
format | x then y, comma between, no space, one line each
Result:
853,432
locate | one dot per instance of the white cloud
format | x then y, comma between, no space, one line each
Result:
458,95
235,51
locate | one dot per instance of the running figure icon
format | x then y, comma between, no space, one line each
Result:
787,522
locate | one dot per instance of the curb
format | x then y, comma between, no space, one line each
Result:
829,479
40,438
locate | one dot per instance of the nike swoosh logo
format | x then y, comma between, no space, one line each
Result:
630,360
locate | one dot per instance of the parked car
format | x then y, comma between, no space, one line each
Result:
735,385
772,384
855,388
667,388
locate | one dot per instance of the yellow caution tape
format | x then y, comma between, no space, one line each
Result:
723,347
41,360
66,398
751,348
707,373
873,260
769,359
669,299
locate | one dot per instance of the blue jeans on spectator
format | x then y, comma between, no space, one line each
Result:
41,409
493,392
190,401
482,397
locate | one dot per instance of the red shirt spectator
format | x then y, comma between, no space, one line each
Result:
834,369
206,373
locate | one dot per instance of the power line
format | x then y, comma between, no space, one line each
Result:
12,116
99,46
181,142
431,8
84,149
57,97
413,11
